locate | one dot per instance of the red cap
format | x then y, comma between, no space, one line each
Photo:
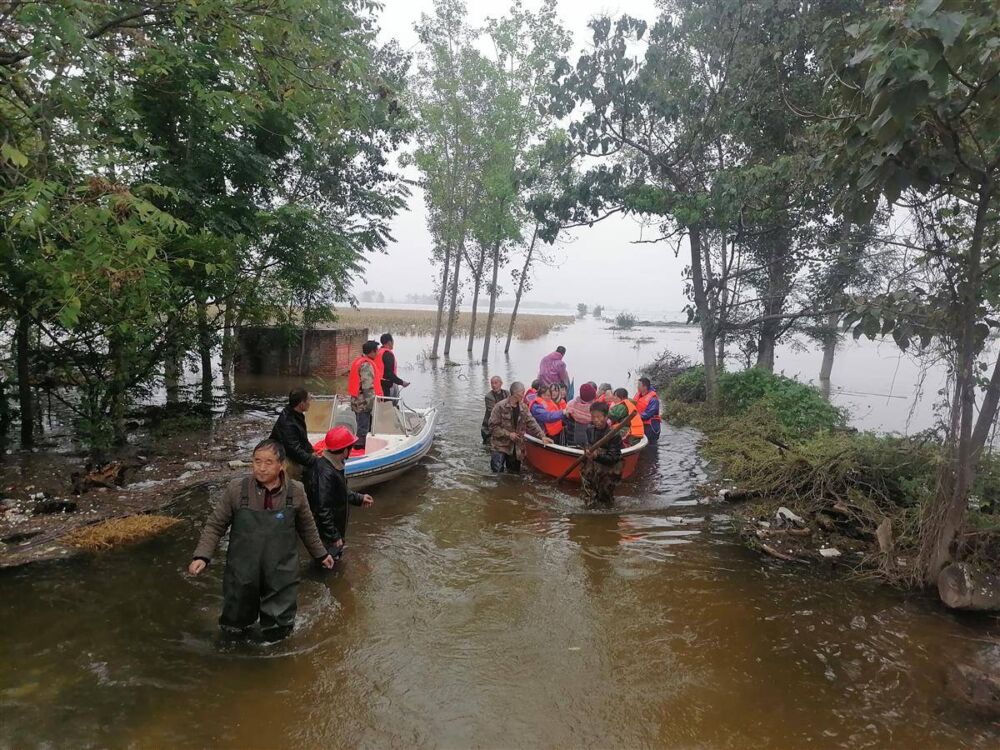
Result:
339,438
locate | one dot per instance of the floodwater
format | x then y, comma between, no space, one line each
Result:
476,611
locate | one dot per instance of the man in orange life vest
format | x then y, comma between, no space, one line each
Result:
391,382
364,383
648,404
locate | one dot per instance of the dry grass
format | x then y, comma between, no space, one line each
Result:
116,532
422,322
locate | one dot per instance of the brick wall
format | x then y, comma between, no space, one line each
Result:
276,351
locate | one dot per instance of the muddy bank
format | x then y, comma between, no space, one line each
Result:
39,503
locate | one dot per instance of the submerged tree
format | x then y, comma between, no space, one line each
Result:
917,115
152,158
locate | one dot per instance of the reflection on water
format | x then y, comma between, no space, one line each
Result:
486,611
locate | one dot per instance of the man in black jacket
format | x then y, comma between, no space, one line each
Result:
390,380
329,496
290,431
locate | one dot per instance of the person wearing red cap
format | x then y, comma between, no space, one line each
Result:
327,490
578,414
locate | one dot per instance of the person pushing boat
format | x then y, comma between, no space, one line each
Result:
509,421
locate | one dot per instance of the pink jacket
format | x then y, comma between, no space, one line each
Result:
552,369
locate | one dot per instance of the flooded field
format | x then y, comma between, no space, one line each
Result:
484,611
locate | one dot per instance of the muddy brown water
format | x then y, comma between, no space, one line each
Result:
482,611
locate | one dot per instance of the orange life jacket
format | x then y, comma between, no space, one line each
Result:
562,404
354,376
635,425
551,428
642,401
378,358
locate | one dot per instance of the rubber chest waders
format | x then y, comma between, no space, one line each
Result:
262,568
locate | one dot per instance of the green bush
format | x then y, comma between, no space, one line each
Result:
688,387
625,320
800,409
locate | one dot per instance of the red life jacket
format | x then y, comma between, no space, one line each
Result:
642,401
551,428
354,376
378,358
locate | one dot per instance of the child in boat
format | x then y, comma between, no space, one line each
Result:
621,407
602,469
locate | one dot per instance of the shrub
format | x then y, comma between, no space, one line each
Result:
625,320
688,387
598,311
800,409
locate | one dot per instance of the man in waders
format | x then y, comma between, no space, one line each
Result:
266,510
290,431
509,420
329,495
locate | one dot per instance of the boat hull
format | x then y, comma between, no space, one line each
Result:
389,463
555,459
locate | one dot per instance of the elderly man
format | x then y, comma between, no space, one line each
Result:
552,368
509,420
494,395
290,431
265,510
364,383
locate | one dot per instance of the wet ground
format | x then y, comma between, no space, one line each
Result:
483,611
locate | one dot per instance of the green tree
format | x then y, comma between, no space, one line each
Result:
917,114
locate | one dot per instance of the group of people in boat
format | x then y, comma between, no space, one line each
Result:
600,420
266,510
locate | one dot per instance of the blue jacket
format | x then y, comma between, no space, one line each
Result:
542,416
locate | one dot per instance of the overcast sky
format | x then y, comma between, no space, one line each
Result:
601,265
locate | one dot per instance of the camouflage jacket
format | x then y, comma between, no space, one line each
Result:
502,422
365,400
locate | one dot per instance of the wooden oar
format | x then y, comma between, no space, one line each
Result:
599,444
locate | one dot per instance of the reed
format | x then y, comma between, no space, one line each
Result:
422,322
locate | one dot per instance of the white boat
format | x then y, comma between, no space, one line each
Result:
399,438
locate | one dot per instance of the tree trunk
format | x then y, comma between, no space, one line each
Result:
987,413
22,343
172,377
117,389
829,346
944,519
520,289
445,268
305,336
476,280
205,350
228,346
708,329
493,302
962,587
453,305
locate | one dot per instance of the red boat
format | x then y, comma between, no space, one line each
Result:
555,459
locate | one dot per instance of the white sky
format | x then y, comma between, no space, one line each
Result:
599,266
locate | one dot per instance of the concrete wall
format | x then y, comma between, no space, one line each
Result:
275,351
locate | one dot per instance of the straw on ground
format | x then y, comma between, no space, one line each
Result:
116,532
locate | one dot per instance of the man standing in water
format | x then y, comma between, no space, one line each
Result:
364,383
494,396
552,368
290,431
326,487
509,420
391,382
265,510
648,404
